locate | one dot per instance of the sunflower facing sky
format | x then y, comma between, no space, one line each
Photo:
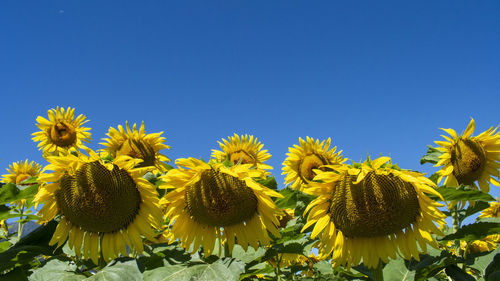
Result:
209,202
369,211
306,157
242,149
137,144
62,131
469,160
102,207
21,171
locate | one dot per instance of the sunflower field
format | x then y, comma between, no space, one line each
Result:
126,211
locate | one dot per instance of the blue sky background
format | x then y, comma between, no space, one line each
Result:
378,77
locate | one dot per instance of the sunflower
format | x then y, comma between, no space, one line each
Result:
21,171
469,160
62,131
493,211
242,149
137,144
102,207
209,202
368,211
303,159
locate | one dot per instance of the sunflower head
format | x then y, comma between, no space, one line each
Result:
209,202
21,171
307,158
470,160
493,211
137,144
244,150
369,211
102,206
62,131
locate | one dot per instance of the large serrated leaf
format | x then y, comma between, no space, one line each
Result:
458,194
57,270
492,272
227,269
119,270
474,231
247,256
396,270
10,192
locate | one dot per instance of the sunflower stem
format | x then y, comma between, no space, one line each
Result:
456,225
19,223
378,273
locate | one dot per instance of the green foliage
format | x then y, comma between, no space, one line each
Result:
11,193
474,231
431,156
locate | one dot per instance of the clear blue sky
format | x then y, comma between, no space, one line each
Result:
378,77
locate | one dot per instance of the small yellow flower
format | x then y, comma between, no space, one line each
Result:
62,131
137,144
305,159
470,160
242,149
21,171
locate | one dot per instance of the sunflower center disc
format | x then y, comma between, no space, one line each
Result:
97,199
138,149
378,205
242,156
219,199
468,159
63,134
307,165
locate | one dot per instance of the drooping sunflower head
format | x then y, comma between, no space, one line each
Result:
21,171
209,202
370,211
306,158
103,207
137,144
469,160
242,149
62,131
493,211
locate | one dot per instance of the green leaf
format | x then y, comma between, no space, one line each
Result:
430,265
226,269
269,182
474,231
458,274
397,270
119,270
471,210
57,270
162,254
431,156
492,272
481,263
250,255
462,193
30,246
10,192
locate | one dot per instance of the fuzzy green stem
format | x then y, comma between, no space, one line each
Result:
378,273
20,224
456,225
